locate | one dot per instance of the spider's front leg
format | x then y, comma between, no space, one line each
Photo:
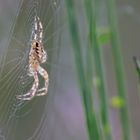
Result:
31,93
44,74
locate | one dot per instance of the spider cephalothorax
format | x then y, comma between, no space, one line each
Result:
37,55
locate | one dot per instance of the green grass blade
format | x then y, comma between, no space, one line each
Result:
116,50
85,88
93,41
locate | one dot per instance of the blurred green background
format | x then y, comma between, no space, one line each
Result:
70,111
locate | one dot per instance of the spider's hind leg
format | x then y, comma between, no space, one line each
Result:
27,96
43,91
31,93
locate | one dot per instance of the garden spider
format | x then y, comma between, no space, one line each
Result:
37,55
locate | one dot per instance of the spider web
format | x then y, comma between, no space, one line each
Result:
16,115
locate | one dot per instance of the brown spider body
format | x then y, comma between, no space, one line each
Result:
37,55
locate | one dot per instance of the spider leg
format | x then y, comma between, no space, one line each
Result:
31,93
42,89
44,74
30,71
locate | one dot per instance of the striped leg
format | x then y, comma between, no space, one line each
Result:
31,93
44,74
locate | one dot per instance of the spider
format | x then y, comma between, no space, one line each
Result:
37,55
